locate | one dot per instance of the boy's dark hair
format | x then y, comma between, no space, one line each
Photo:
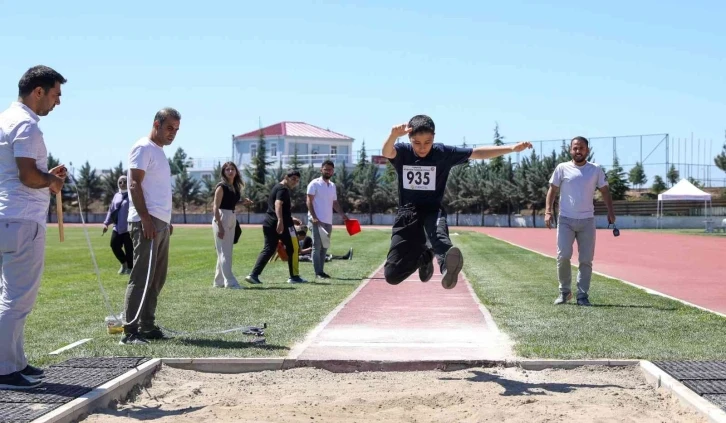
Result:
328,163
292,172
301,232
581,139
421,124
38,76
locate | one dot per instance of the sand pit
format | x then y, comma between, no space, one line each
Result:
592,394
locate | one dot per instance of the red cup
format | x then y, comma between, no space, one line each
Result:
353,226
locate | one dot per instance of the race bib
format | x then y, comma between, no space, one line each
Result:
419,178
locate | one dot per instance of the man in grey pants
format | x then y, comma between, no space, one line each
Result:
150,227
322,199
25,188
576,182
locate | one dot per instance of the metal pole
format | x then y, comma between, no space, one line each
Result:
615,150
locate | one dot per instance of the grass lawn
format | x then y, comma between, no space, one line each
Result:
519,286
685,232
70,306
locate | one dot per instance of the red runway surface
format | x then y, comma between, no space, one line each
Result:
688,267
407,322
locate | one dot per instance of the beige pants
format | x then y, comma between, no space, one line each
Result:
223,275
22,251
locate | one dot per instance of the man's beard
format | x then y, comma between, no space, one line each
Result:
326,177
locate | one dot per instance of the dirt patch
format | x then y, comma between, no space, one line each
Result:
593,394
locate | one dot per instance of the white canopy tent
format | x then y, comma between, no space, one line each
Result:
685,191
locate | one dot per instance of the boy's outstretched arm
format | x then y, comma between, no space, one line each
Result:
389,151
492,151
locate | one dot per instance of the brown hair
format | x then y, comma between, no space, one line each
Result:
238,183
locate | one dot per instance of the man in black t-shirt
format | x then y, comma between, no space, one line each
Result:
420,231
279,226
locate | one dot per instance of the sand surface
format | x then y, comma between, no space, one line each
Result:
592,394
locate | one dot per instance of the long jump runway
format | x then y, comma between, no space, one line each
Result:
691,268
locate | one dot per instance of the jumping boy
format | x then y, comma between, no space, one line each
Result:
420,230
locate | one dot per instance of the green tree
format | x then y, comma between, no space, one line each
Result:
538,177
720,160
658,185
497,163
362,157
186,191
180,162
295,162
696,183
344,185
209,185
673,175
637,175
90,187
617,181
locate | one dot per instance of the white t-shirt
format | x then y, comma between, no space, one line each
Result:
577,188
325,194
149,157
21,137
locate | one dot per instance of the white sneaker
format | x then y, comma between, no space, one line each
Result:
122,270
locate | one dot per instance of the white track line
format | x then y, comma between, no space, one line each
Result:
635,285
69,346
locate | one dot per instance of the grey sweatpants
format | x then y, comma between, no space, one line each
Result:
137,280
569,230
22,253
318,251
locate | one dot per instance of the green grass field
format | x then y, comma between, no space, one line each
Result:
70,306
517,286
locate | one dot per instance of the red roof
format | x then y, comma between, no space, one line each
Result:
295,129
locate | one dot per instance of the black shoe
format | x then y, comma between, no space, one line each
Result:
350,254
583,301
426,271
154,334
133,339
33,372
18,380
323,275
253,279
454,261
563,298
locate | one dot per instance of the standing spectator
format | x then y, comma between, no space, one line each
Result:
322,199
226,196
118,212
576,182
279,226
25,188
150,227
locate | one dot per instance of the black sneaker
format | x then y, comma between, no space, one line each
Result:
454,261
18,380
584,301
33,372
563,298
350,254
323,276
154,334
296,279
133,339
426,271
253,279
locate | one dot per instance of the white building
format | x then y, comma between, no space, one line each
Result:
282,140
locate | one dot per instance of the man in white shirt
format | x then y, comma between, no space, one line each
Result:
576,182
25,188
322,199
150,226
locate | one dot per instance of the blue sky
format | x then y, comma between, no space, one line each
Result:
542,70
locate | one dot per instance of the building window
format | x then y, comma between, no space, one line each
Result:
253,150
273,149
333,151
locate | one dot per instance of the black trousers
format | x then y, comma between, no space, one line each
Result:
271,240
417,235
123,248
